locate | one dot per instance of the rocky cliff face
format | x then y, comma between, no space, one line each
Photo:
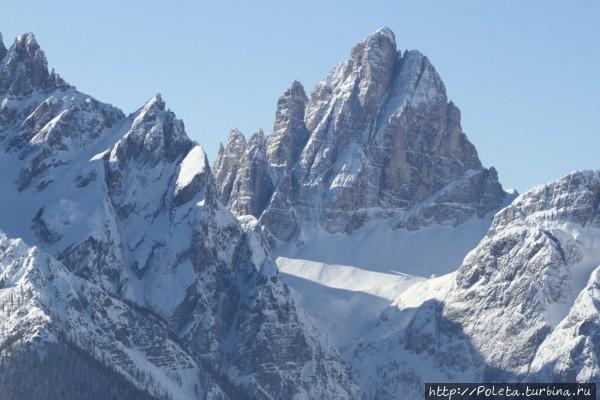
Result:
290,134
377,139
522,307
138,266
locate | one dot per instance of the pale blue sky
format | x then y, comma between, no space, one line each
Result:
525,74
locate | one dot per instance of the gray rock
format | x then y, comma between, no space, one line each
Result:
379,140
250,188
290,134
25,68
3,49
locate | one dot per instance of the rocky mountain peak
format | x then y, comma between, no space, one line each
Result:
155,102
236,140
377,139
289,131
25,69
227,163
372,63
257,138
296,89
251,186
231,153
27,41
3,48
155,134
377,47
572,199
386,31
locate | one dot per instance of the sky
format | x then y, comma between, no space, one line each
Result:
525,74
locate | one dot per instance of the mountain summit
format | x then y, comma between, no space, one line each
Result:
377,139
25,68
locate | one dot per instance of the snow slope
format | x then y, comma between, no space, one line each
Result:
343,301
386,286
379,247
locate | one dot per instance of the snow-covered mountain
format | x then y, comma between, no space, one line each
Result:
123,274
403,248
128,266
370,177
524,305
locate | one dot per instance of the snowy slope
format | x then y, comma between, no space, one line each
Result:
379,247
386,286
343,301
42,302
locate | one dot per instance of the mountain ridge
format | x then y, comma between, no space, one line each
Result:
520,308
376,139
366,249
127,206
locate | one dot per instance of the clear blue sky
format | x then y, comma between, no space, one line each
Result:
525,74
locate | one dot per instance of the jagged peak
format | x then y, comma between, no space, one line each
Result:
417,57
235,132
25,68
236,144
334,74
257,138
236,137
291,105
572,199
426,84
27,48
155,102
289,130
2,47
296,89
58,80
153,106
414,54
371,66
377,40
385,31
154,134
28,40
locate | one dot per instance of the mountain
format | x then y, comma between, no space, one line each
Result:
371,178
128,267
377,139
523,306
403,248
